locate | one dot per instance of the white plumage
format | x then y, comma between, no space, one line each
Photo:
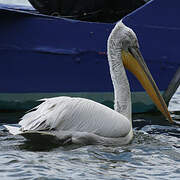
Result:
76,114
84,121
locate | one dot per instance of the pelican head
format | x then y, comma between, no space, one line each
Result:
132,59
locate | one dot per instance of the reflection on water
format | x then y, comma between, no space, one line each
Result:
153,154
174,104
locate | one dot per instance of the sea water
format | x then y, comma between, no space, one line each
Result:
17,2
153,154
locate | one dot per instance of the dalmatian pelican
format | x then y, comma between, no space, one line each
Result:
83,121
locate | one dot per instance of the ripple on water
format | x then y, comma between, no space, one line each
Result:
153,154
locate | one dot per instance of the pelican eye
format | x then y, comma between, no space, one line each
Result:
130,51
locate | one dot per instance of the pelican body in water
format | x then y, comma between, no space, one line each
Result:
82,121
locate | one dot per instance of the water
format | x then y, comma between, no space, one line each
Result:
153,154
17,2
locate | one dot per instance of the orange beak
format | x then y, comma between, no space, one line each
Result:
134,62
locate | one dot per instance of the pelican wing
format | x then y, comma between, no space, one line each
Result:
77,115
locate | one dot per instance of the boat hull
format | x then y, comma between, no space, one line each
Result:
43,56
141,102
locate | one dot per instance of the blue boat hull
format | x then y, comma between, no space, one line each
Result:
45,56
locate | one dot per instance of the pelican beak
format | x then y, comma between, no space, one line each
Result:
134,62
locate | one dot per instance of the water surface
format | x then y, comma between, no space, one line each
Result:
153,154
16,2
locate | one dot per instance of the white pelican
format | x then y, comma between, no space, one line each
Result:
83,121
